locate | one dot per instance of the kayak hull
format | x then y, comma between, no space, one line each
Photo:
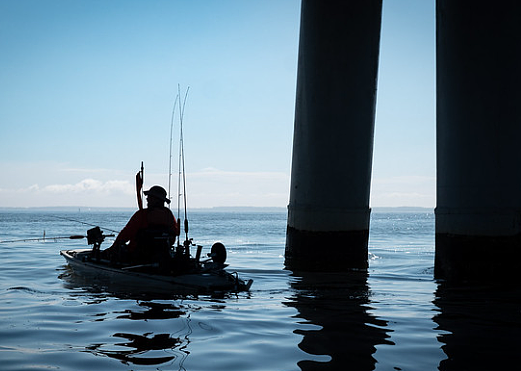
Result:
135,282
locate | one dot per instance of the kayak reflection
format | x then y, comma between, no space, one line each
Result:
139,349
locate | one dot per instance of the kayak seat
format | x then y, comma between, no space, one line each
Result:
154,244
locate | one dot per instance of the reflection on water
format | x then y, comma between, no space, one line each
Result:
154,311
136,348
338,303
139,349
481,325
148,348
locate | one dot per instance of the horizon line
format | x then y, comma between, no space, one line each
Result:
216,208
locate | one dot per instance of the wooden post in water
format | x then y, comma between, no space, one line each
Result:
328,211
478,213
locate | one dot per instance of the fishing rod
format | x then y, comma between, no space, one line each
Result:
182,172
81,222
44,238
72,237
170,158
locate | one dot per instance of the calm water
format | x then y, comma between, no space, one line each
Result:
395,316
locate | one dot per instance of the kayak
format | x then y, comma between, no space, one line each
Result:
176,273
208,277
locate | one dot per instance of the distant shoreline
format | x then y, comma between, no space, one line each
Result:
222,209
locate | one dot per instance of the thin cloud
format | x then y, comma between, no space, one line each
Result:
405,180
91,185
87,192
206,188
213,187
410,190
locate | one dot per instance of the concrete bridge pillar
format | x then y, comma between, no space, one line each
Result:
328,211
478,213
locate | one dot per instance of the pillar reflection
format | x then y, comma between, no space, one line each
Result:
481,325
338,303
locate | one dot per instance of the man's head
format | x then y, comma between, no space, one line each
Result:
156,196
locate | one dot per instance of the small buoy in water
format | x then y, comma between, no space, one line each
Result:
218,253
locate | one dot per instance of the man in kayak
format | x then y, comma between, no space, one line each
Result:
150,232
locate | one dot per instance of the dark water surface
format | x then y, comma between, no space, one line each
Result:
395,316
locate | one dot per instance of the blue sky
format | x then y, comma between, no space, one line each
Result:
87,90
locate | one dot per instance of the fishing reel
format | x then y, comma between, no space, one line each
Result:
95,236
